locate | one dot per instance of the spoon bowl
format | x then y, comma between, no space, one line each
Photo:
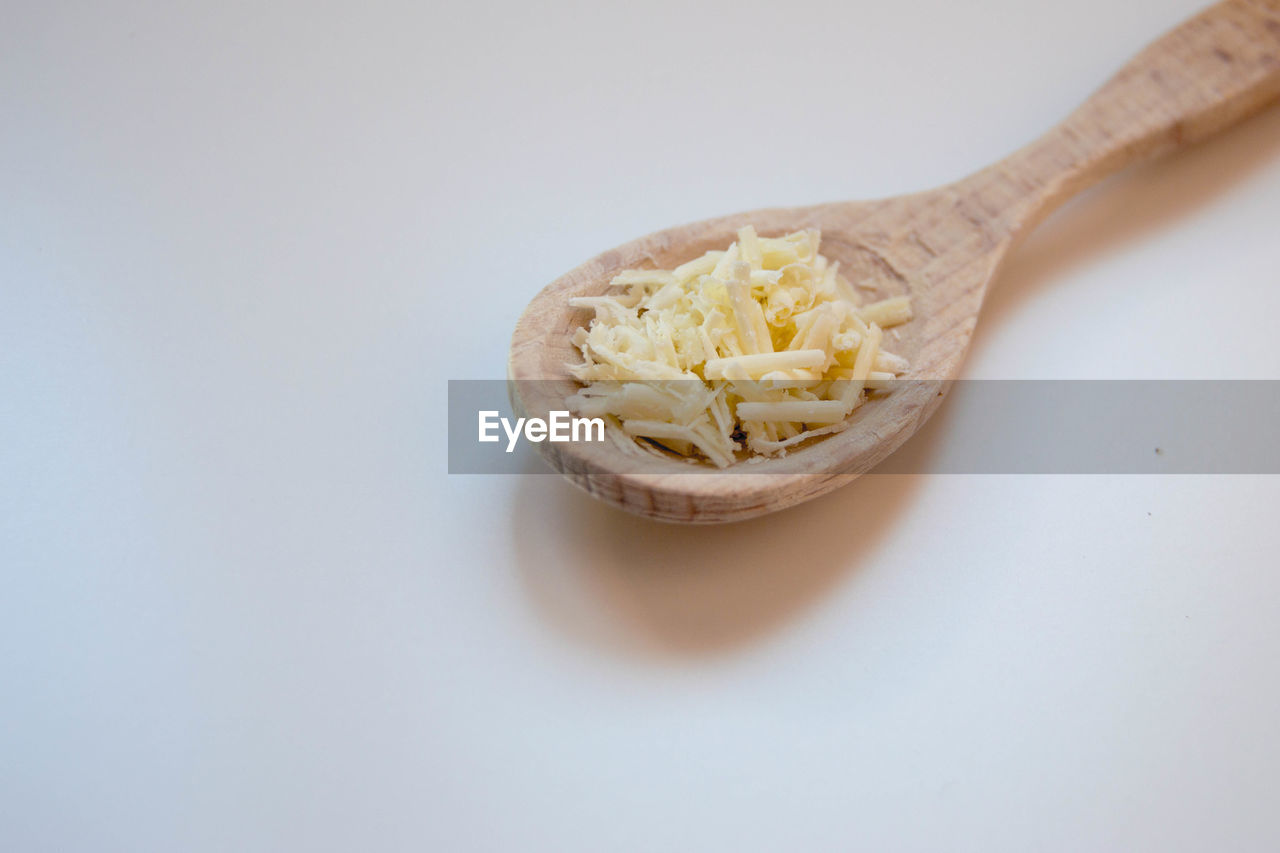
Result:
942,247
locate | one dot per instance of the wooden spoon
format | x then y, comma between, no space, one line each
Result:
943,247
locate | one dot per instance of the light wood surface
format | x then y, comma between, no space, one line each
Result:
943,247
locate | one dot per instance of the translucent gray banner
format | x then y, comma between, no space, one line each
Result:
984,427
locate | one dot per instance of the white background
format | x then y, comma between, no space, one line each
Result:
243,607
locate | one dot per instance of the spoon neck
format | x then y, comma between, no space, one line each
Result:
1204,76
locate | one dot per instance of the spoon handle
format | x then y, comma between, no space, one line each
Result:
1205,75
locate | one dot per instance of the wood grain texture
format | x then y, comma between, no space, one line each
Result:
943,247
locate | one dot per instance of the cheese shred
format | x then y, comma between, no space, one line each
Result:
745,352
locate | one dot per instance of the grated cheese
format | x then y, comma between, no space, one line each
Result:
757,348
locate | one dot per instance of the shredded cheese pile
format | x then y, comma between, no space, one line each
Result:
754,349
